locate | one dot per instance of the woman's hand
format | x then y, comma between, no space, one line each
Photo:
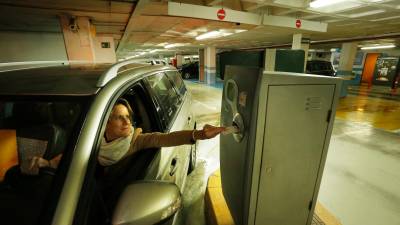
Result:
38,162
208,132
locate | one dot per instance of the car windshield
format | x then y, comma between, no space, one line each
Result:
36,134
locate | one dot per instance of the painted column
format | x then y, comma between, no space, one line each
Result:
82,45
299,42
345,69
179,59
346,60
201,65
209,65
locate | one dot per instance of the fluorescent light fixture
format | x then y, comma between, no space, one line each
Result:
346,24
378,47
323,3
174,45
239,31
163,44
330,6
311,50
130,57
211,34
154,50
332,21
385,18
368,13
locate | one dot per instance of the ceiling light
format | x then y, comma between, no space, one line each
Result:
332,21
385,18
323,3
378,47
239,31
174,45
330,6
368,13
154,50
211,34
346,24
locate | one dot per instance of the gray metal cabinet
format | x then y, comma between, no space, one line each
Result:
271,170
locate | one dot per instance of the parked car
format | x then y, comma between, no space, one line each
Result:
320,67
59,109
190,70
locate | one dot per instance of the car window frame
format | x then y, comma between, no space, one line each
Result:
178,90
87,191
157,101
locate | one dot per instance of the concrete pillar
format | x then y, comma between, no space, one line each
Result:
346,60
82,45
78,37
269,63
201,65
300,42
179,60
209,65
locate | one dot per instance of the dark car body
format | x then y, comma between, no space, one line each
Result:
64,110
190,70
320,67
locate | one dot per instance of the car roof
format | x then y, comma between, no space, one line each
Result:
64,80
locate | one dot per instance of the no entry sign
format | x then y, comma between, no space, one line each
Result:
298,23
221,14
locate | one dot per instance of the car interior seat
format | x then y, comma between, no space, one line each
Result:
24,192
35,123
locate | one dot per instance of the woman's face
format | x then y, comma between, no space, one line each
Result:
119,123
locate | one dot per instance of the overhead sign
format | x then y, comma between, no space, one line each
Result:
221,14
229,15
284,21
211,13
298,23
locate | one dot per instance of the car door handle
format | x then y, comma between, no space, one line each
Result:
173,167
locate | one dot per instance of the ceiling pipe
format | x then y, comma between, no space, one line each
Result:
332,41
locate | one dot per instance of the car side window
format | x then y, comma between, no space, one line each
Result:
178,82
166,95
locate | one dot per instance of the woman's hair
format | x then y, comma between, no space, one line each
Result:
124,102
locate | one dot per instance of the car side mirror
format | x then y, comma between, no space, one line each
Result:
147,202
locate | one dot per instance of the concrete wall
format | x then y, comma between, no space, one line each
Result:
31,46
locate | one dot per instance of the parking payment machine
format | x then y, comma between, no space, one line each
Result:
271,167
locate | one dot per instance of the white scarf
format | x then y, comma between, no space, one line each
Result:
112,152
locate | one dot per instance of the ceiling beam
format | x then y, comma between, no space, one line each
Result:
210,13
130,25
281,11
212,2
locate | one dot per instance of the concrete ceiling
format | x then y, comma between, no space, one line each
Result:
141,26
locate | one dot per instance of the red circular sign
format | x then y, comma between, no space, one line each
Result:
298,23
221,14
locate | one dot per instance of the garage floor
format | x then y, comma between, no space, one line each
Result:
361,181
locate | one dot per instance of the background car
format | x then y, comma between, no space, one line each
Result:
190,70
320,67
53,110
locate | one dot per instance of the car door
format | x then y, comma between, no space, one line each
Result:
174,111
93,206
